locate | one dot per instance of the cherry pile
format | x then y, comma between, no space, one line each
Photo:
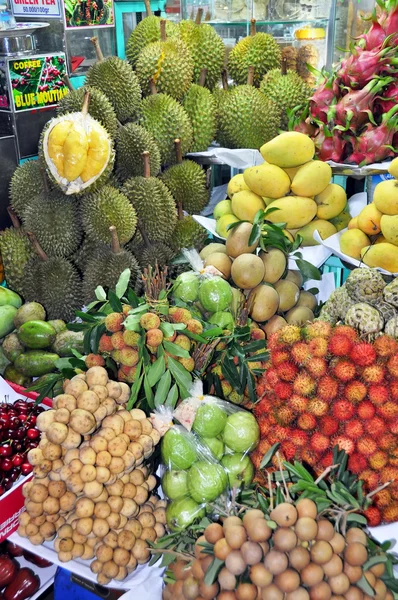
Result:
18,435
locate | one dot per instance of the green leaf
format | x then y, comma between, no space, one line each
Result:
308,270
314,291
111,366
365,586
96,334
180,374
167,329
76,326
269,455
100,293
132,298
148,393
235,224
213,570
300,471
76,353
114,302
122,283
374,560
86,317
212,332
254,234
356,518
194,336
258,357
139,309
87,342
162,389
135,387
259,217
156,371
270,210
132,323
172,396
175,349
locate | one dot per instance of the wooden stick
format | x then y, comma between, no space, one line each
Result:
115,240
199,15
177,146
86,103
14,219
250,75
148,8
224,79
152,87
253,27
202,78
180,211
44,179
208,16
144,235
98,51
68,82
36,246
284,66
163,35
147,166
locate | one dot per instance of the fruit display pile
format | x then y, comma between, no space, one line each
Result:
16,581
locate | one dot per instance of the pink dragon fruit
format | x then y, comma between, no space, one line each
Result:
322,99
364,65
388,99
390,24
355,108
329,146
374,144
374,37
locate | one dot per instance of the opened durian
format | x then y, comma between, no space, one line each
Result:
16,250
147,32
117,80
206,47
77,151
103,208
131,141
188,234
167,63
26,182
259,50
154,204
106,267
201,108
166,120
99,107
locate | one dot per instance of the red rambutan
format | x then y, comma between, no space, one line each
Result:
300,353
105,343
318,329
303,384
274,343
319,442
370,479
347,331
393,387
343,410
327,459
318,347
281,433
344,443
340,345
299,437
393,457
392,365
283,390
393,489
382,498
279,356
390,513
327,388
388,410
290,334
317,367
388,473
309,457
283,415
262,408
318,407
354,430
375,427
378,460
355,391
344,370
289,450
373,374
328,425
366,410
366,445
373,516
306,421
287,371
271,377
385,346
387,441
363,354
393,426
357,462
298,403
378,394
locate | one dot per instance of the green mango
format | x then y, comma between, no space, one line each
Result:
12,374
342,220
58,324
12,347
36,362
3,361
7,314
36,334
8,297
66,340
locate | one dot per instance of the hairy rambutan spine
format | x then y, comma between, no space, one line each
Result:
340,345
363,354
328,425
306,421
366,445
355,391
344,370
343,410
319,442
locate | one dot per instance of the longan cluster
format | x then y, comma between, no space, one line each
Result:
302,558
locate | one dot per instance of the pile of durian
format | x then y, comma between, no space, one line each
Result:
113,158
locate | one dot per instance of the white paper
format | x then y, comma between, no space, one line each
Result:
326,286
241,158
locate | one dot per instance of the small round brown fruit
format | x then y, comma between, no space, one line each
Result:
312,575
299,594
378,569
226,579
208,592
338,543
299,558
197,570
246,591
339,584
190,588
354,574
276,562
284,539
258,530
354,593
321,552
288,581
232,521
255,513
284,515
199,548
221,549
325,530
321,591
251,552
356,535
213,533
306,528
235,562
271,592
260,576
333,567
306,508
355,554
235,536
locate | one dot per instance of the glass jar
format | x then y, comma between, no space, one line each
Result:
311,49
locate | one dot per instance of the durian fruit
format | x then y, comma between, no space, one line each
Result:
77,151
54,220
131,141
150,253
259,50
154,204
16,250
247,118
286,89
200,105
147,32
99,107
117,80
88,250
290,54
166,120
26,182
307,55
168,63
103,208
54,282
106,268
207,49
188,234
187,183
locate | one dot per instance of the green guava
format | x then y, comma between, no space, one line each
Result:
206,481
239,468
241,432
215,294
183,512
215,446
174,484
178,450
210,420
223,320
186,287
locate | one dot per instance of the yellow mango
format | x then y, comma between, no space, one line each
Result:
380,239
246,204
290,235
267,180
385,197
393,168
222,208
75,152
384,256
324,228
236,184
311,179
331,201
389,228
342,219
289,149
222,224
293,170
369,220
353,224
295,211
353,241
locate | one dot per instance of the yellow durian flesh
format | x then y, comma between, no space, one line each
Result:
56,141
98,150
75,152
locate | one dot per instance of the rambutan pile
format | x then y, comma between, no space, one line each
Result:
323,386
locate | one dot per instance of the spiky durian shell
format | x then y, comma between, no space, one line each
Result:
117,80
156,252
86,252
16,250
166,120
201,108
131,141
188,234
106,268
147,32
187,183
169,64
106,207
54,219
56,284
99,107
26,182
260,51
207,50
287,91
247,119
155,206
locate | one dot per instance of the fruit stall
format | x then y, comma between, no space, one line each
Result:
199,382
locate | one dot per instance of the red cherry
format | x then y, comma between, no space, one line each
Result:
5,450
33,434
7,483
32,419
23,417
17,460
4,419
14,423
26,468
15,473
6,464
